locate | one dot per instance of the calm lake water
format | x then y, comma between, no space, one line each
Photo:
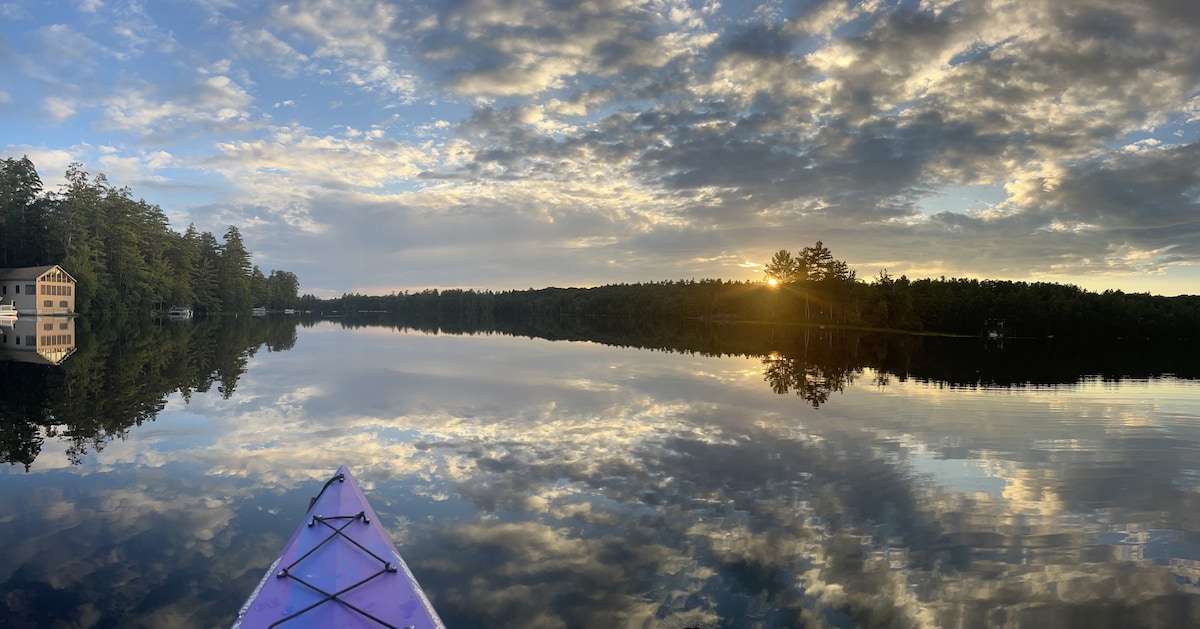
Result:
534,483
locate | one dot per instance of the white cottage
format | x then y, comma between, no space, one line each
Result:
38,290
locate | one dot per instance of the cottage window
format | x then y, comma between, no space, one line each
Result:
49,303
31,340
62,326
31,289
47,326
62,304
17,289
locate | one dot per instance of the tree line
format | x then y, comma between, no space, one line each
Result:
812,287
122,252
122,371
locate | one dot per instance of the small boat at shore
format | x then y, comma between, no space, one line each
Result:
8,311
340,569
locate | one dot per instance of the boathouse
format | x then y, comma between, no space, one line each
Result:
38,290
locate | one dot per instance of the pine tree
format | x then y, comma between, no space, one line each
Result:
233,272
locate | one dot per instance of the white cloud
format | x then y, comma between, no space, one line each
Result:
135,171
59,108
209,99
262,45
354,42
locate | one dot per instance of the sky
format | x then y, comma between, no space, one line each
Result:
380,146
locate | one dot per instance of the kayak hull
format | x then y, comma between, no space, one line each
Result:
339,569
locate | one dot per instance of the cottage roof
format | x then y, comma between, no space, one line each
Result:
30,272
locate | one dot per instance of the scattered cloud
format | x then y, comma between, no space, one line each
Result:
646,126
59,109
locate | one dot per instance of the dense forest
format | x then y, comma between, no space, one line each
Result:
811,287
122,253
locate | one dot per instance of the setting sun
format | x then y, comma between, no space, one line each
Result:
772,281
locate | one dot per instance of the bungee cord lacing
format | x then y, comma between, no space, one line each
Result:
337,531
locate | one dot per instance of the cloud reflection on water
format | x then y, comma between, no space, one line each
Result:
546,484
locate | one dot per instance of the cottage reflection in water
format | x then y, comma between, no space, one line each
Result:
39,340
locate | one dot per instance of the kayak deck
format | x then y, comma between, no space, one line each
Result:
340,569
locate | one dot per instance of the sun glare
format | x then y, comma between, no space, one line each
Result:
772,281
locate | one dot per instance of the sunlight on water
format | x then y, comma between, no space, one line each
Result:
538,483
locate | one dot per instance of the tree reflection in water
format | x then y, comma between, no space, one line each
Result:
821,366
599,514
120,376
122,372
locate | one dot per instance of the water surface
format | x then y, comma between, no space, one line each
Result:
537,483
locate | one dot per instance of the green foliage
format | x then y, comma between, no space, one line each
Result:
258,287
282,288
234,272
22,213
122,251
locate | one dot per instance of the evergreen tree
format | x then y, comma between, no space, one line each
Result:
204,274
258,287
233,272
786,269
75,226
120,250
23,226
283,289
182,256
